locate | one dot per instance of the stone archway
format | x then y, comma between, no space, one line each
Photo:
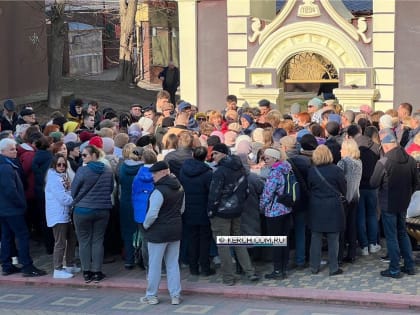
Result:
320,38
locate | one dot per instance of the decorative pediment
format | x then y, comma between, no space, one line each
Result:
308,9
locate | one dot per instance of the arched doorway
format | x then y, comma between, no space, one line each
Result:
309,39
308,71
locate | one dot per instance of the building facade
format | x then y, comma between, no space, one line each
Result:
244,47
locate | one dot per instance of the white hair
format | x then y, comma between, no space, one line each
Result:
6,143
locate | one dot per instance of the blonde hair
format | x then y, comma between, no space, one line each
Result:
106,133
128,154
274,117
322,155
213,115
351,148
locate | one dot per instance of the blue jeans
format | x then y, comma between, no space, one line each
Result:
397,241
300,229
367,222
14,227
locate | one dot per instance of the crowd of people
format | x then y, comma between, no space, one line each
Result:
162,181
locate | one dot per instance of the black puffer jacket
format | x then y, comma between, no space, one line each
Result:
195,177
227,174
396,177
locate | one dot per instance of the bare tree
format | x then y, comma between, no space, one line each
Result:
127,15
56,48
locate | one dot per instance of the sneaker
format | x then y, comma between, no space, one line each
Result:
385,259
337,272
387,273
253,277
62,274
374,248
217,261
129,266
9,271
87,276
152,300
410,272
274,275
365,251
98,277
72,269
175,300
229,282
33,271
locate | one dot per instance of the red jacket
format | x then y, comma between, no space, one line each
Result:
26,153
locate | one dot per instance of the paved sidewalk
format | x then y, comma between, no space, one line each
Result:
360,284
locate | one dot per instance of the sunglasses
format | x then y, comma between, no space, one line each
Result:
84,155
201,119
61,164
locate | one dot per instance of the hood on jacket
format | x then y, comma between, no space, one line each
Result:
72,108
231,161
364,141
131,167
283,166
398,155
170,181
145,175
96,166
193,168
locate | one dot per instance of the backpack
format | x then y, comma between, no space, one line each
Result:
142,188
292,190
231,206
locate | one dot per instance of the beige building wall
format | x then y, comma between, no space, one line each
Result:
383,48
187,10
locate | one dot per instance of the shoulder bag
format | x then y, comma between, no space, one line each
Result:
343,198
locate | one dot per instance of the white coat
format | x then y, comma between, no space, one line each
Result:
57,199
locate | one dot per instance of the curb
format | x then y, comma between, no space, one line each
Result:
321,296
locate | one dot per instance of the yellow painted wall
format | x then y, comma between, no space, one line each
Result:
188,49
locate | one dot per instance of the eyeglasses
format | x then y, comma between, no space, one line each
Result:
61,164
84,155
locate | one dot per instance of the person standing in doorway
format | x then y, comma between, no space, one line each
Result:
170,79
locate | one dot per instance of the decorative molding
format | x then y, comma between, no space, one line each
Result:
346,26
323,39
268,29
262,31
308,9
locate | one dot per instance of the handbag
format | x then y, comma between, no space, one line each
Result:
342,198
413,209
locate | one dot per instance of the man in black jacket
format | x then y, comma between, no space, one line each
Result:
170,79
396,177
226,176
